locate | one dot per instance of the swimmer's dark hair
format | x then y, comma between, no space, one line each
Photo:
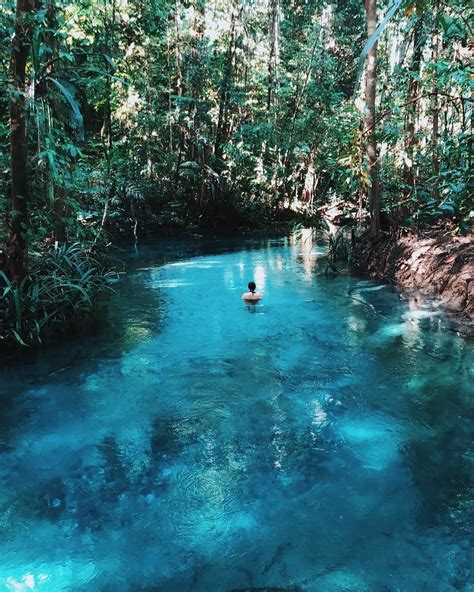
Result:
252,287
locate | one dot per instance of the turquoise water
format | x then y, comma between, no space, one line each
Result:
320,440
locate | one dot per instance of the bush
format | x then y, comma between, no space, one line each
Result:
60,290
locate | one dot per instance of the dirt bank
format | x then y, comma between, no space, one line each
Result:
440,267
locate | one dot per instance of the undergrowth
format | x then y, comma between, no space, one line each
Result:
62,288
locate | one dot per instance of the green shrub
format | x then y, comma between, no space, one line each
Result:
62,288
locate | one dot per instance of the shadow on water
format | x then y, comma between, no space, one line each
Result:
135,313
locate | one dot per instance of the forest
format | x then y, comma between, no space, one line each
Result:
124,120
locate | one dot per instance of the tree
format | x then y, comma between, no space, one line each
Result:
435,108
274,56
371,122
412,101
224,94
16,262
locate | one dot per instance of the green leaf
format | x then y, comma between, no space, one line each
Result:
374,38
447,208
67,56
18,338
73,104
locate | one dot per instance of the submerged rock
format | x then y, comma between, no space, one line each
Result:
267,589
375,441
342,580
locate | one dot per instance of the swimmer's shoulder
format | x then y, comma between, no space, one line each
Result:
251,297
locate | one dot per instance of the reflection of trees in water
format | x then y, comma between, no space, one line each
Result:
114,470
170,437
440,462
136,313
13,413
306,243
423,375
442,474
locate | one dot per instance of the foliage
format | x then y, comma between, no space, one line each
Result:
63,287
157,115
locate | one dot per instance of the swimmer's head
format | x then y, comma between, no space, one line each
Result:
252,287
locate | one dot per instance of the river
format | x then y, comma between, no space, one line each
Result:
320,440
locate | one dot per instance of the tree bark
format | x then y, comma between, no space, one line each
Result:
371,143
55,114
222,124
106,130
274,59
435,108
178,51
412,105
195,152
16,259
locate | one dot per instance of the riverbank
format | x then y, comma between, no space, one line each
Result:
441,267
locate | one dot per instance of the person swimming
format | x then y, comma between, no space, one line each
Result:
251,295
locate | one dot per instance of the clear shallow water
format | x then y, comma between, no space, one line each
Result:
318,441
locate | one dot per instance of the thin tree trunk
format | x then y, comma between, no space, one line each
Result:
272,91
310,182
222,124
170,101
179,92
106,131
179,70
371,144
274,59
178,51
435,103
16,261
196,78
55,113
412,107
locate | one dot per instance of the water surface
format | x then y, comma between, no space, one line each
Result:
320,440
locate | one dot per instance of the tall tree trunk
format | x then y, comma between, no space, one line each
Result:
222,124
55,114
310,180
16,261
435,99
196,78
106,131
107,138
371,140
178,57
272,91
178,52
274,59
412,104
170,86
